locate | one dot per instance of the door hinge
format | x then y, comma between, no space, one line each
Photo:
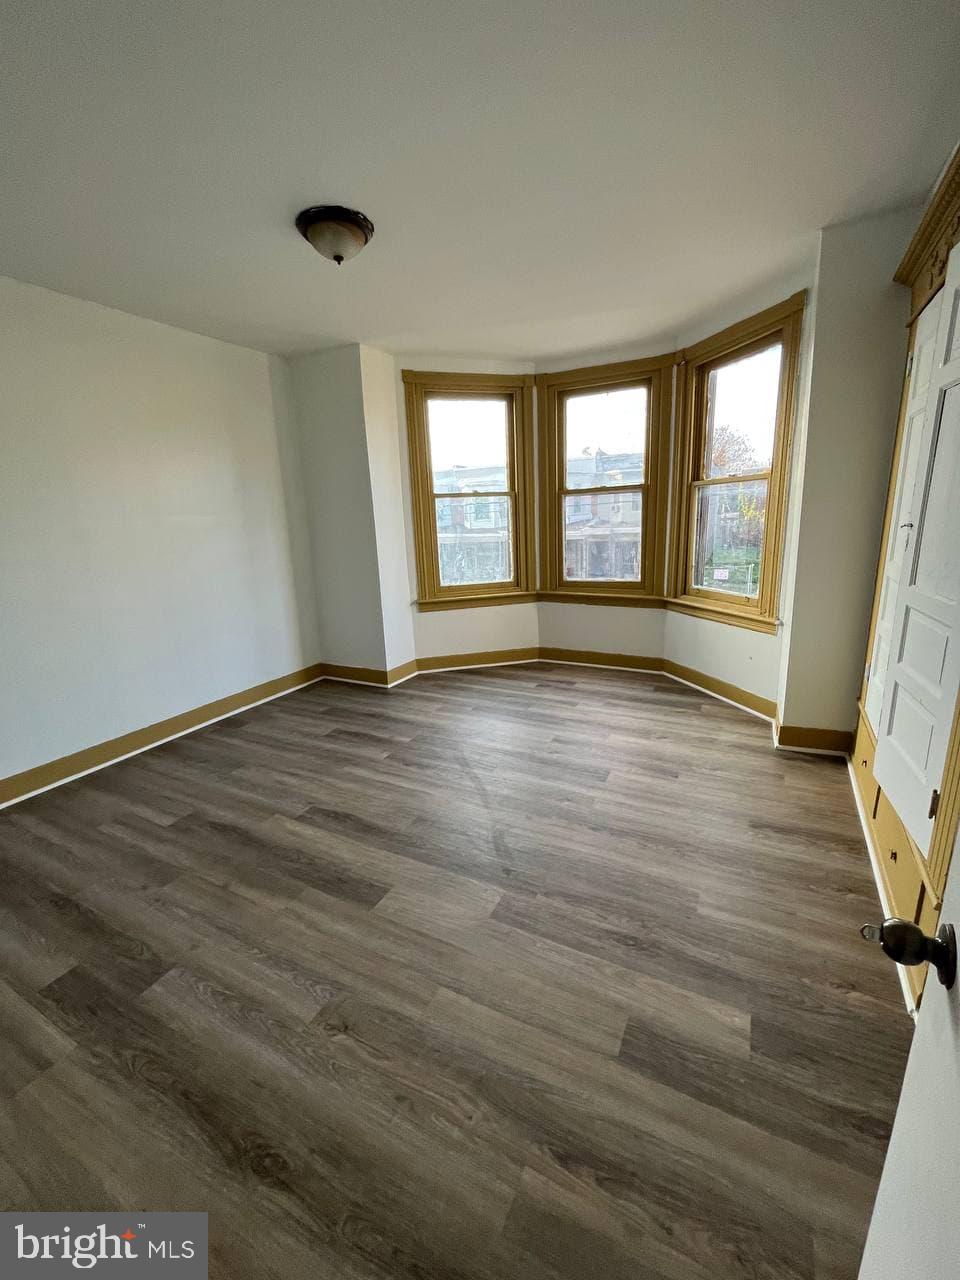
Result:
934,804
909,364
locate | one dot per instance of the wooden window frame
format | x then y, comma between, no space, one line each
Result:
517,390
781,323
552,388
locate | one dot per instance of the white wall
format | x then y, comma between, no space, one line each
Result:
505,626
915,1228
328,399
146,565
603,629
378,375
798,449
748,659
858,360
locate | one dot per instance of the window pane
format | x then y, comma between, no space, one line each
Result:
474,538
468,444
729,537
606,437
603,537
742,414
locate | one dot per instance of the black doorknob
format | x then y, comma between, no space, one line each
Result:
906,943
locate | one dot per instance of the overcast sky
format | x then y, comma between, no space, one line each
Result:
746,393
473,433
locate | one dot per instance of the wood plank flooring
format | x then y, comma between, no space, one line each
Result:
533,972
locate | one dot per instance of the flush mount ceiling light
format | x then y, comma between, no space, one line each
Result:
335,232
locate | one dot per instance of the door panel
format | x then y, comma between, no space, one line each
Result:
923,667
924,350
910,729
924,648
915,1228
937,563
953,338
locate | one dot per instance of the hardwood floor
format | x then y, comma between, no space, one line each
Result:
529,972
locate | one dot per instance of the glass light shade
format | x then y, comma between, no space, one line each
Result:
337,241
335,232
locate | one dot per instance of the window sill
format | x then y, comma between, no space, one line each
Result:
572,595
712,610
731,614
479,600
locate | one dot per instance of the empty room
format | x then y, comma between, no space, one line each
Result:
479,640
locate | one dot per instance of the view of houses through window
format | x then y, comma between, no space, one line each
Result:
470,469
603,437
605,445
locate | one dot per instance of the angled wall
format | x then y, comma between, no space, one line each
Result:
382,428
859,350
349,450
335,468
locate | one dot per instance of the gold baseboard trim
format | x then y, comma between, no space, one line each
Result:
485,658
722,688
19,785
403,672
622,661
368,675
839,741
354,675
590,658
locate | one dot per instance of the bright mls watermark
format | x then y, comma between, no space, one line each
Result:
111,1244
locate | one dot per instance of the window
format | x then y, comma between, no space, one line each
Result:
601,481
470,447
732,448
604,458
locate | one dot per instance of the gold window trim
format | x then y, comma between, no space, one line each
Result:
552,388
518,392
782,323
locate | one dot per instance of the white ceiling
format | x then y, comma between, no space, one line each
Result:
545,177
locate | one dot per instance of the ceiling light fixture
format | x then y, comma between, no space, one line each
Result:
335,232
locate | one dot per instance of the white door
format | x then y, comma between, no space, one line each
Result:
915,1228
923,673
903,518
